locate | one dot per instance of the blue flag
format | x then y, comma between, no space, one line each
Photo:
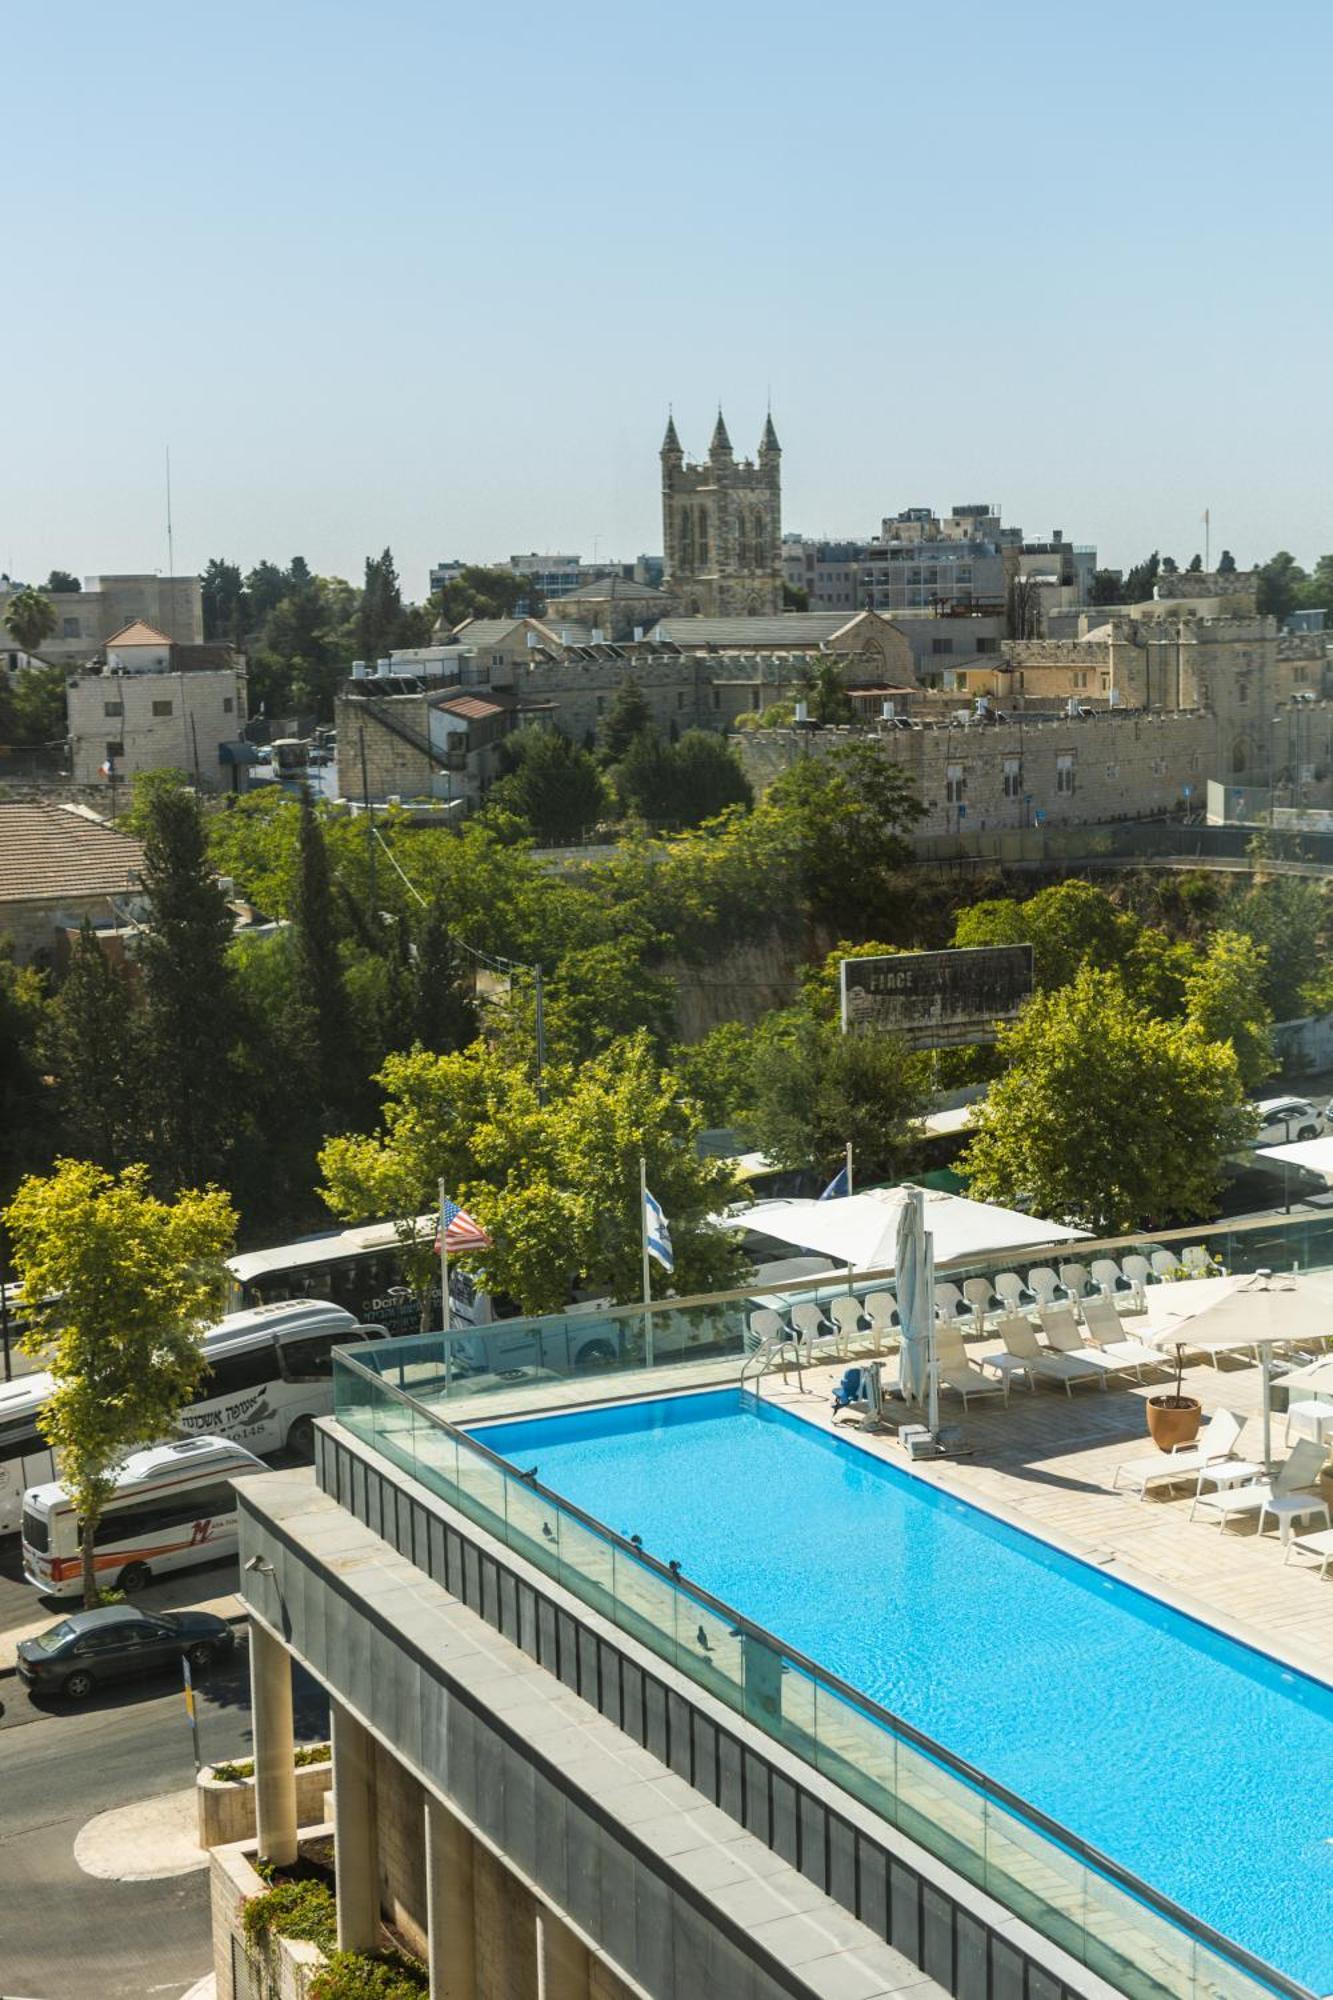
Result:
837,1187
657,1232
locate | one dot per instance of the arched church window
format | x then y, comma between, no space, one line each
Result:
742,541
760,540
1240,755
686,551
703,535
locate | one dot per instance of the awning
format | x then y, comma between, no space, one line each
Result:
862,1229
1316,1154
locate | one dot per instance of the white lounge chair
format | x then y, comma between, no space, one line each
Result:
957,1372
1107,1330
1289,1495
1021,1344
1007,1364
1318,1544
1215,1447
1063,1335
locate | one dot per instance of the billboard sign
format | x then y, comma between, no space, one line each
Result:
937,999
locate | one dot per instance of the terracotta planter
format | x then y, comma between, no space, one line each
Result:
1173,1420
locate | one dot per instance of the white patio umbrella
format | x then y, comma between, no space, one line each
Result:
1263,1310
914,1279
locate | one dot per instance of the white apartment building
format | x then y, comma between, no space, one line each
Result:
158,706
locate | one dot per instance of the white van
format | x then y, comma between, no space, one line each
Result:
174,1507
25,1456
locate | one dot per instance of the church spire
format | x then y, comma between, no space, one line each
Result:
721,445
671,443
768,443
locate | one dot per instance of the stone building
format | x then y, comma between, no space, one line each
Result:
722,527
156,705
1025,771
87,618
60,867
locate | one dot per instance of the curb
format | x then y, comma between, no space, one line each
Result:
234,1619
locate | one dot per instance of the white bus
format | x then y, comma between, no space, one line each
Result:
269,1374
360,1270
174,1507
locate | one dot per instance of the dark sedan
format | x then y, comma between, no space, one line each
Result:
119,1642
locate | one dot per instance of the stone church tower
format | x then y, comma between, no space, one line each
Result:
722,528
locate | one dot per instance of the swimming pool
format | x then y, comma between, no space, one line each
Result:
1196,1762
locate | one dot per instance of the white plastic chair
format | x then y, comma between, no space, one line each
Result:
1043,1285
1011,1291
1195,1258
847,1316
1139,1273
881,1310
765,1327
1075,1280
1108,1277
950,1305
810,1324
1165,1264
978,1293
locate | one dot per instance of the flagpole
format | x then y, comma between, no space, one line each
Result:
647,1273
850,1188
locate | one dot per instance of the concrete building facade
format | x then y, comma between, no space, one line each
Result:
158,706
87,618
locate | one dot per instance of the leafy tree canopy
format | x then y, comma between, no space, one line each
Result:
552,785
61,583
31,619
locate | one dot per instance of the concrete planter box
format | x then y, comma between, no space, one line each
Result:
284,1967
227,1805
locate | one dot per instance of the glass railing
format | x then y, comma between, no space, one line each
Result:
709,1336
1118,1927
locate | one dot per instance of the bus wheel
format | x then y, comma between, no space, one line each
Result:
133,1577
301,1437
597,1354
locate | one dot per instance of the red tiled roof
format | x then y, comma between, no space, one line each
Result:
138,633
471,707
47,852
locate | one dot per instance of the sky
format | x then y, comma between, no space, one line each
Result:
426,276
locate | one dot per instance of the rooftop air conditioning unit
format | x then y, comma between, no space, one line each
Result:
359,670
383,669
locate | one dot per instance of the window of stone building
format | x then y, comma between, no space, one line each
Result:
941,645
1242,691
601,704
69,628
703,535
717,697
681,698
113,708
161,708
115,750
1064,772
955,784
1240,755
227,704
1013,778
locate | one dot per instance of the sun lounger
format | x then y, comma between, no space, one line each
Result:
1107,1330
1289,1495
1063,1335
1214,1448
957,1372
1024,1348
1318,1544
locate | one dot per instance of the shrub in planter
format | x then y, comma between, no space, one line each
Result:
244,1767
359,1975
293,1910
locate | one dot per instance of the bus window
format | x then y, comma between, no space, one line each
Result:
309,1360
231,1374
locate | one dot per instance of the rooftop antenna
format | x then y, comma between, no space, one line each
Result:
171,546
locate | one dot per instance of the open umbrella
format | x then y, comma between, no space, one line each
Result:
914,1279
1263,1310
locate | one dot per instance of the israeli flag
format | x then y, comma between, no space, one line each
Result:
657,1232
838,1186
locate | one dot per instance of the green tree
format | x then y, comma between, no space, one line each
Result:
1139,581
627,718
478,592
706,778
93,1051
1194,566
718,1072
1069,925
816,1088
321,989
552,785
133,1281
381,608
1288,919
1107,587
643,779
1106,1117
24,1110
225,607
31,619
190,1014
794,598
822,684
831,828
36,704
61,583
1224,1001
1022,608
1226,563
443,1014
1279,586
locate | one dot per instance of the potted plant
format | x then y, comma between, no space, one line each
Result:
1173,1418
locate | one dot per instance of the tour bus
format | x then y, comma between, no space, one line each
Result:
360,1270
174,1507
269,1374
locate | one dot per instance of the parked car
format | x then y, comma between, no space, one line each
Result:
119,1642
1285,1119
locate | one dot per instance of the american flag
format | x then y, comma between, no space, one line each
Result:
461,1231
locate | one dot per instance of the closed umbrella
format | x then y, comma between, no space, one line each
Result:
914,1277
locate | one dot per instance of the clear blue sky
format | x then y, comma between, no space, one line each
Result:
429,276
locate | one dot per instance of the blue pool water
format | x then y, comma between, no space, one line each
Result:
1203,1766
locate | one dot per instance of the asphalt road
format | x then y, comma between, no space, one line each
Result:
65,1935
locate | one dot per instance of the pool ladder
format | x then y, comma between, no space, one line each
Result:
769,1352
